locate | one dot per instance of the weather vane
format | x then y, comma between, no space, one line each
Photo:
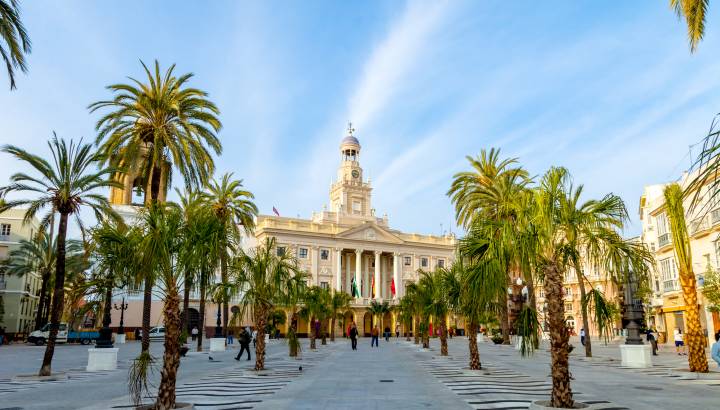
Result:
350,129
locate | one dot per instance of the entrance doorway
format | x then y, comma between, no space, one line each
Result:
367,324
193,319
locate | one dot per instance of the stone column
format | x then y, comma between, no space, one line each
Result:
395,275
348,273
377,274
358,270
338,271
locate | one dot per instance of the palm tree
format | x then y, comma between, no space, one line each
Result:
339,302
437,306
590,229
315,308
474,287
292,296
260,277
15,37
65,186
697,359
421,295
161,243
491,193
152,127
412,292
190,204
38,255
232,206
693,11
378,310
200,254
405,315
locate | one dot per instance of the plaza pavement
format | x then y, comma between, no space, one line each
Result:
398,375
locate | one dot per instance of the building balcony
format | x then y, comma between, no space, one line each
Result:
3,285
715,217
657,302
664,240
4,238
699,225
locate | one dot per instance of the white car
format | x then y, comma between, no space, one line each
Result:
157,333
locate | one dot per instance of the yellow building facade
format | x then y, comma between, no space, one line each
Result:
348,241
668,304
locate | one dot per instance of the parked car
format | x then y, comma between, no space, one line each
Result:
40,337
157,333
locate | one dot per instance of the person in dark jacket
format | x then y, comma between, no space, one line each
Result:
353,336
244,339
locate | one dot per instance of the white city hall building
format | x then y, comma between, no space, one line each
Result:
349,241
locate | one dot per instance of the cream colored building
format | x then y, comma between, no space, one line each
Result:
704,229
348,240
20,295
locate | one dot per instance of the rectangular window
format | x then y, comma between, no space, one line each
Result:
668,274
424,262
441,263
568,307
303,253
541,293
324,254
5,229
662,224
280,251
568,291
356,207
407,261
324,285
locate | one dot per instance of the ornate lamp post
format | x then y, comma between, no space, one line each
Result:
122,307
633,312
105,338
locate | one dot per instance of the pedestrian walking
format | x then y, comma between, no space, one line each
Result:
254,335
2,335
397,330
679,342
715,351
386,333
230,337
353,333
194,333
653,341
244,340
582,336
375,334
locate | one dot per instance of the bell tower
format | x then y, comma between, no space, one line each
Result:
349,195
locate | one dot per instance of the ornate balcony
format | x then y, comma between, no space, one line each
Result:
664,240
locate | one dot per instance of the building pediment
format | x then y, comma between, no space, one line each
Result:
369,231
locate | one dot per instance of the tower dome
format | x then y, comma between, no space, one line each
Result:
350,146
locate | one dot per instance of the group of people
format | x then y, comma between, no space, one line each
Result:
353,333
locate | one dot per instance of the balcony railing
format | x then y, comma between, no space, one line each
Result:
699,224
3,284
664,239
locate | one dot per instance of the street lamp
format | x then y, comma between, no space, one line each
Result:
123,306
631,311
105,338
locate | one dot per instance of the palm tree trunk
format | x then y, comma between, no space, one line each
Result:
426,334
332,329
505,319
147,306
58,298
43,300
323,332
416,333
224,279
583,310
185,323
292,343
407,334
533,305
171,356
443,338
473,347
559,347
313,334
260,321
201,325
697,359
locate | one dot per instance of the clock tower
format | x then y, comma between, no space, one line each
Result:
349,195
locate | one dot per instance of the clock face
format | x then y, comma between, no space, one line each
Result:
355,173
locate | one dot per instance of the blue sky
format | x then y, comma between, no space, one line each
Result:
607,89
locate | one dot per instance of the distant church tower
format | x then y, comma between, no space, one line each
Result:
349,195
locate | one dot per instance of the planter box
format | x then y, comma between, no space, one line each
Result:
217,344
637,356
102,359
120,338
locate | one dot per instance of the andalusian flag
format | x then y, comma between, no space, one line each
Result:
355,291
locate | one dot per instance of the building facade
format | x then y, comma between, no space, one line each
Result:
668,305
349,243
20,295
